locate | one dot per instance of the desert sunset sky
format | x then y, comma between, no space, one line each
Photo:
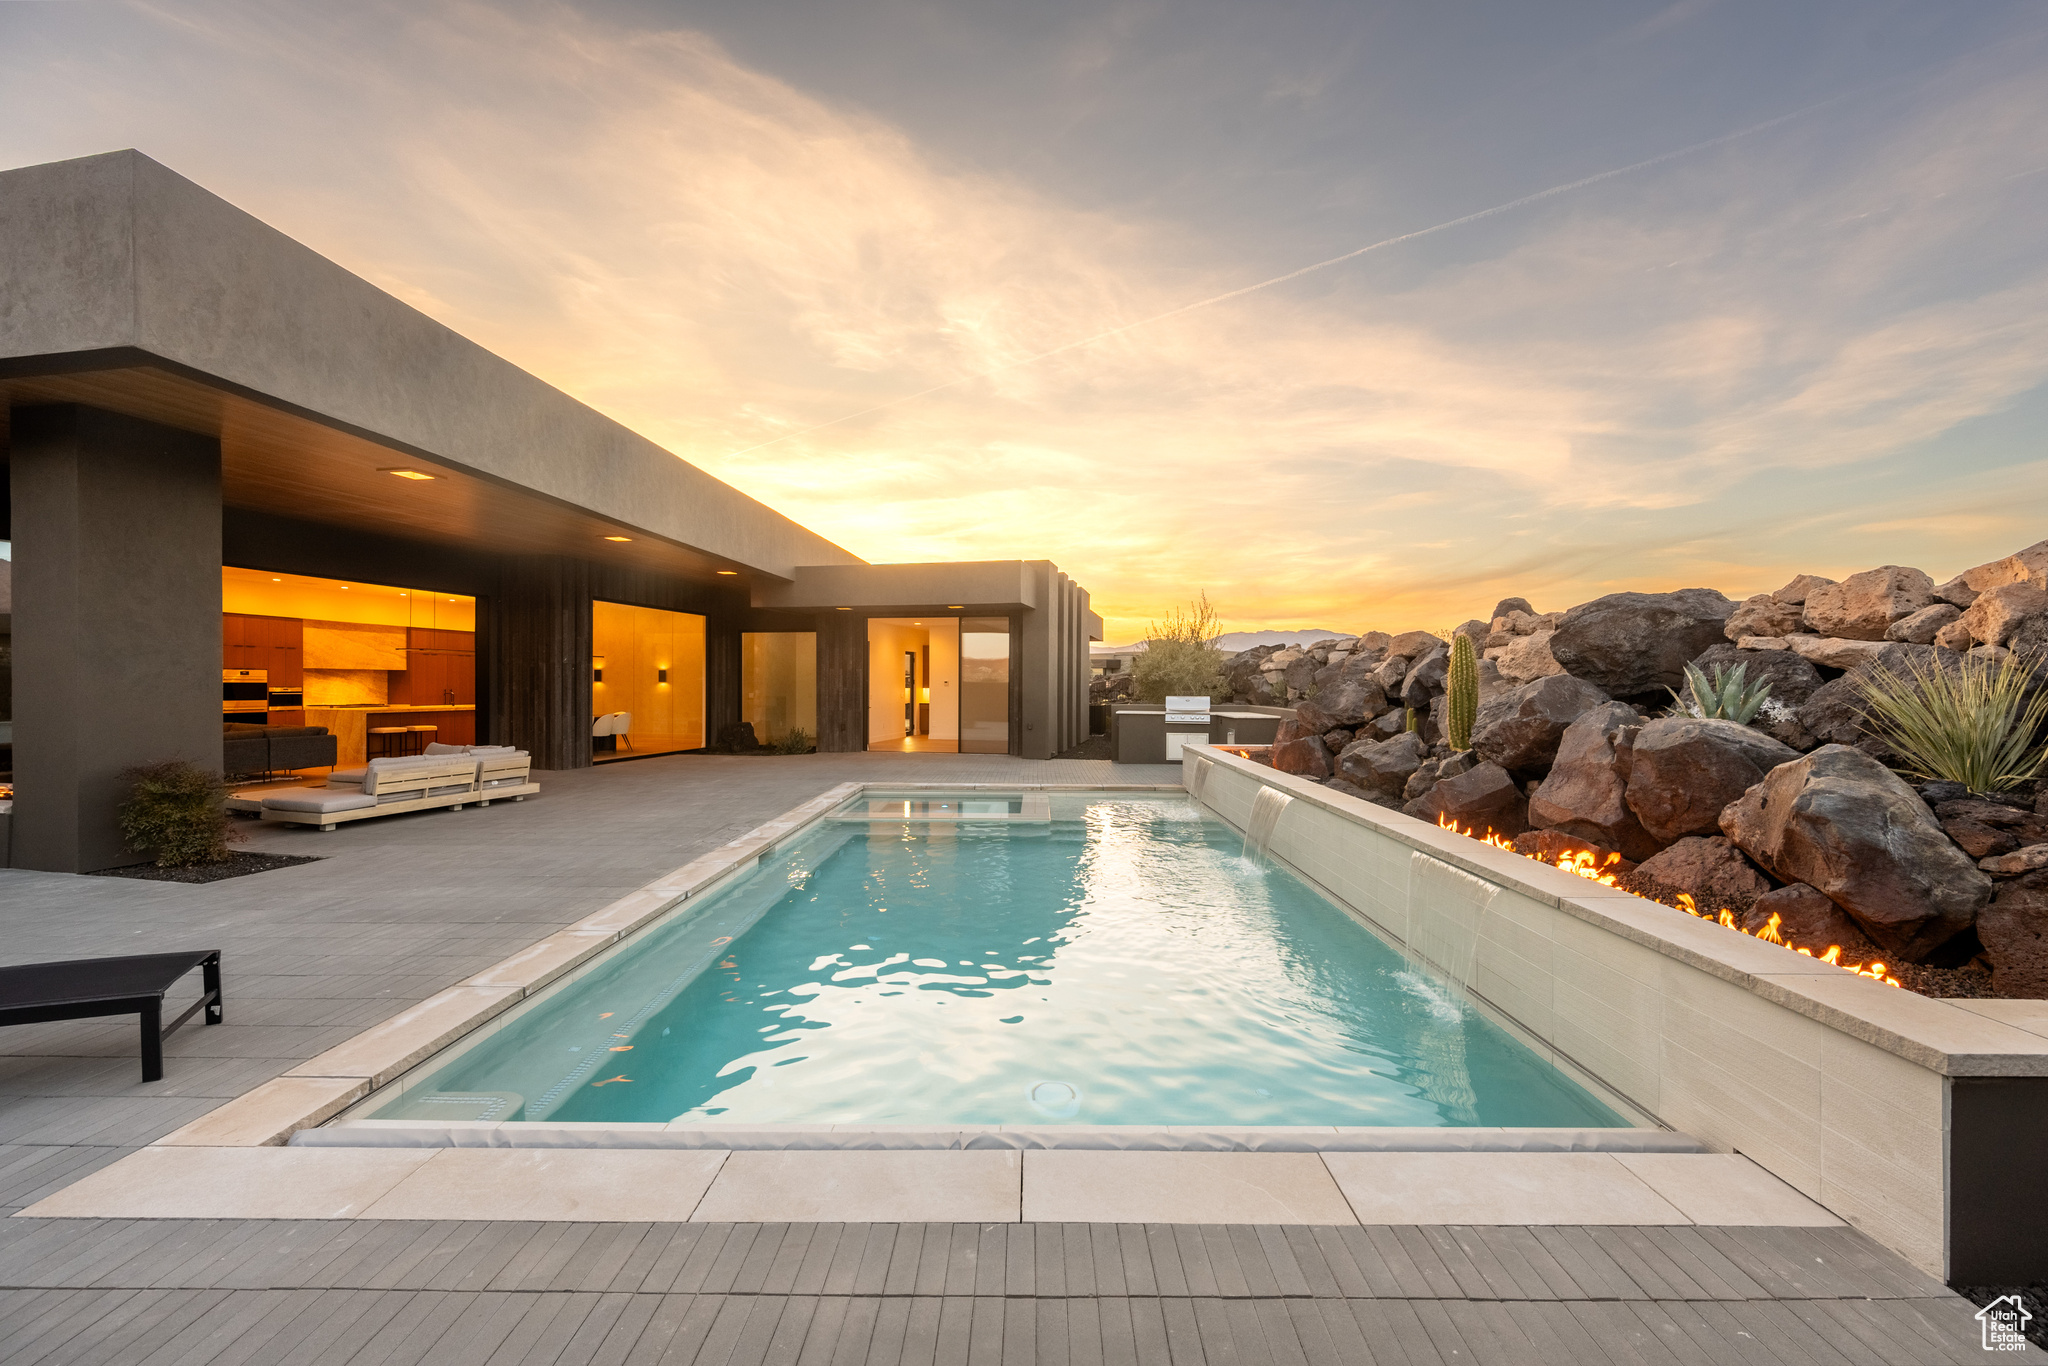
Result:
1766,290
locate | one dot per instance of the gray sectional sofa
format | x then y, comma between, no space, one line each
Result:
274,749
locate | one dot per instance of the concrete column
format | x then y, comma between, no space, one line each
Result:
116,528
539,659
1035,660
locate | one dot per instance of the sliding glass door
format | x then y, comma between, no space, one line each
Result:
985,685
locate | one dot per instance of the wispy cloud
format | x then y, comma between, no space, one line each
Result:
1596,394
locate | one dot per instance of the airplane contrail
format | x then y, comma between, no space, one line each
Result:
1351,255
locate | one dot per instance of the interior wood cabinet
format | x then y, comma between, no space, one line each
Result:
435,678
273,644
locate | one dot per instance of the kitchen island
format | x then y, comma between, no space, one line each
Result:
455,724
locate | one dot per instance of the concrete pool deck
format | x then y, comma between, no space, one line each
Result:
404,909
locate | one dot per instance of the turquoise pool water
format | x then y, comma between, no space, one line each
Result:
1120,963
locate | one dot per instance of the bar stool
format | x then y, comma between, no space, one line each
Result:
419,737
385,742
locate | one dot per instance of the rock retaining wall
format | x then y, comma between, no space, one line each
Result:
1576,749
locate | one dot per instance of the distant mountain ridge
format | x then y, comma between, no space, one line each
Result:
1236,641
1244,640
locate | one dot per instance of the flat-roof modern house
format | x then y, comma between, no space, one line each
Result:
230,456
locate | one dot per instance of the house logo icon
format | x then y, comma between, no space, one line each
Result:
2005,1322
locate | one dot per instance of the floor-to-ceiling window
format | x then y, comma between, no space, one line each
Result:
387,670
646,681
914,684
779,684
984,685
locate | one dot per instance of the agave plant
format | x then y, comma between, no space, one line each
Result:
1727,696
1972,722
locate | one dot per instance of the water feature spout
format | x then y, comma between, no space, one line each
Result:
1267,805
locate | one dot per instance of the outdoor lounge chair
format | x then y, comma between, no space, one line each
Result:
388,787
84,988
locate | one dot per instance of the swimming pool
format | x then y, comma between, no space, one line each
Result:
919,958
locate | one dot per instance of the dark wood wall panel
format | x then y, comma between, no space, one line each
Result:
842,682
539,659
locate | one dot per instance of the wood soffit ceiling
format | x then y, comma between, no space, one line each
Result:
287,465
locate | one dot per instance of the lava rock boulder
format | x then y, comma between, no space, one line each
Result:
1808,920
1711,868
1863,606
1762,615
2000,614
1628,644
1383,767
1685,769
1585,794
1842,822
2014,932
1483,800
1525,659
1519,728
1425,678
1299,750
1348,700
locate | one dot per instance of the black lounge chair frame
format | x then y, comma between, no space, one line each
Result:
82,988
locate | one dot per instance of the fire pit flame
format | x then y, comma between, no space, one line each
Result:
1583,864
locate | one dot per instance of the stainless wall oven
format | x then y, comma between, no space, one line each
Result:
245,696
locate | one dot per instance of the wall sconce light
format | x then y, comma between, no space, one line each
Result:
661,675
597,668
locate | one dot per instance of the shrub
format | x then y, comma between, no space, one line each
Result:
1727,696
795,741
1972,722
1181,658
178,810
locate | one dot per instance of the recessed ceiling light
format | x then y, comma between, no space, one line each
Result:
845,609
618,538
275,579
409,474
730,573
403,594
955,607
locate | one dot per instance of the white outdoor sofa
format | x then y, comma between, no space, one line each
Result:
445,777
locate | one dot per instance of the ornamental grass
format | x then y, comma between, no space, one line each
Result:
1973,722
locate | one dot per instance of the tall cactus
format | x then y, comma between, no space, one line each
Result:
1463,687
